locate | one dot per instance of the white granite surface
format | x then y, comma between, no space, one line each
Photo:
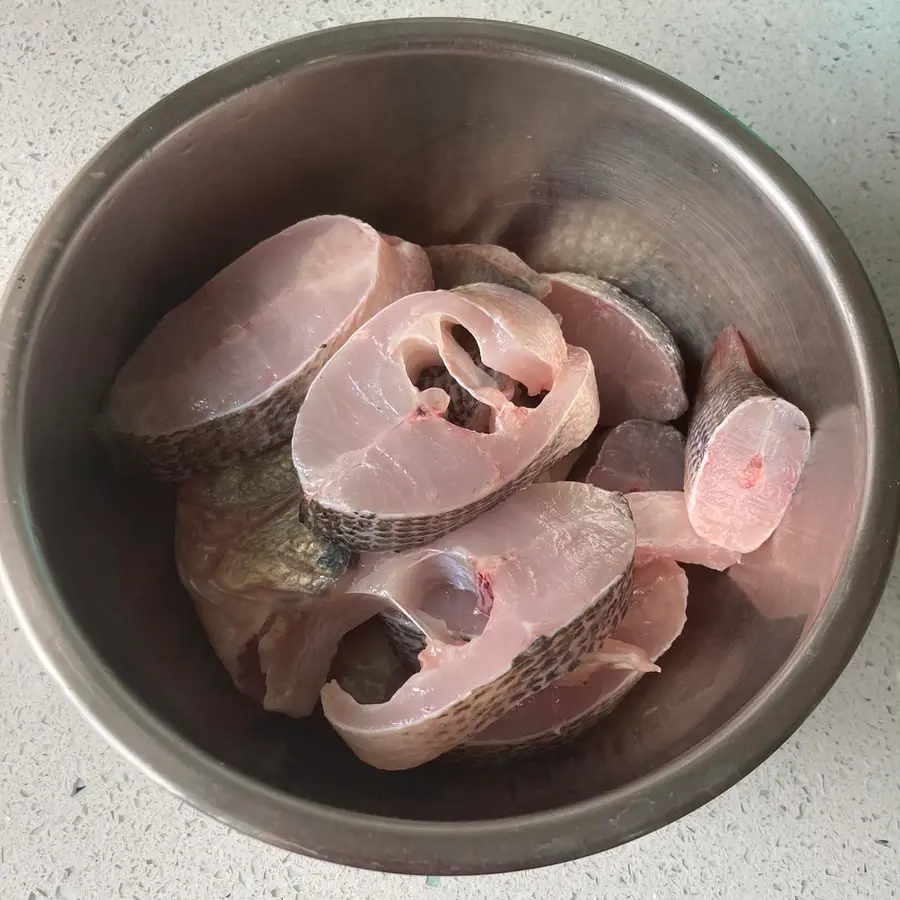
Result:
818,79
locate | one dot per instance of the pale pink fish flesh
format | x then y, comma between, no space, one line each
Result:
746,450
385,462
454,265
639,368
222,375
562,470
640,455
267,591
576,701
550,568
664,530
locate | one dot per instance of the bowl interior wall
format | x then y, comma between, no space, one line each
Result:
574,172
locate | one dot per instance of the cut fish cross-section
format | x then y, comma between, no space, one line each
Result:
387,461
746,450
551,571
574,702
222,375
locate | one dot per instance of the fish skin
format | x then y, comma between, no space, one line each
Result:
601,318
639,455
738,503
454,265
664,530
242,524
259,481
463,687
576,702
613,654
406,638
263,585
404,476
177,427
366,665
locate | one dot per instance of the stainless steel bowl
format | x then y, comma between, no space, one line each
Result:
442,131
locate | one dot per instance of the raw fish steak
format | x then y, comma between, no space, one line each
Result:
640,455
550,570
222,375
639,369
746,450
266,589
388,459
574,702
454,265
664,530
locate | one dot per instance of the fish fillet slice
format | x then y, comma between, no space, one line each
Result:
381,466
573,703
664,530
640,455
222,375
551,567
746,450
639,369
267,591
454,265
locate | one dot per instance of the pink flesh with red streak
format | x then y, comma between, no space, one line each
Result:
664,530
367,439
654,620
747,451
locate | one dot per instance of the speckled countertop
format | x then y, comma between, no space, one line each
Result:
818,79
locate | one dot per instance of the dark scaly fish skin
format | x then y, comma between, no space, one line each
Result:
334,560
249,512
267,590
454,265
406,638
285,555
366,664
257,481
